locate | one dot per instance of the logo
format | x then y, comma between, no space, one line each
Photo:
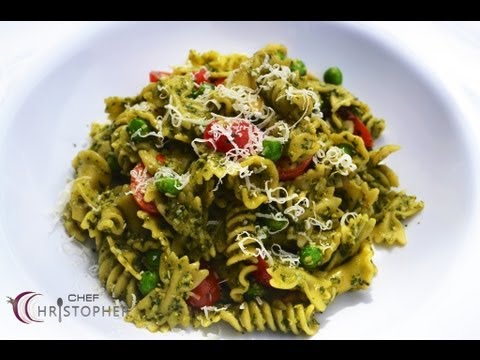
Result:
27,311
23,307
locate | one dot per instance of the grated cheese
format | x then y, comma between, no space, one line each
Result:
344,219
298,209
278,199
142,106
284,135
271,73
156,134
134,301
142,179
63,199
207,309
199,140
177,118
327,225
163,92
225,129
261,251
217,186
246,102
308,96
277,216
337,158
285,257
166,172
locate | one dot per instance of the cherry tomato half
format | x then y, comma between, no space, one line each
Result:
161,159
261,274
361,130
288,171
138,176
201,76
207,293
219,81
239,129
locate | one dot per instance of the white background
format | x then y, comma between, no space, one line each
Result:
451,50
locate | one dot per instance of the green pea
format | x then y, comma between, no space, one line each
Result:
168,186
201,89
347,149
281,55
137,128
274,225
253,291
152,260
311,256
272,149
299,65
148,282
113,163
333,76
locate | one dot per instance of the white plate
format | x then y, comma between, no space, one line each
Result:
421,291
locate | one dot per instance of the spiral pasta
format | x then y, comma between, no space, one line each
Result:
236,189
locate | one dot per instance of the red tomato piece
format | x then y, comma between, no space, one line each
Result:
157,75
261,274
240,133
201,76
207,293
288,171
139,176
219,81
361,130
161,159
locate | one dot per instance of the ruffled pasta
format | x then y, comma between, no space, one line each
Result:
236,189
252,316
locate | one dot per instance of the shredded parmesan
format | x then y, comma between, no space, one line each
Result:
298,209
163,92
307,96
166,172
344,219
259,251
266,74
63,199
258,300
219,182
143,106
327,225
284,256
282,128
134,301
177,118
278,199
207,309
93,270
336,158
142,179
277,216
157,134
199,140
246,102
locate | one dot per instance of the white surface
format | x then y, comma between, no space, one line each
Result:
420,76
